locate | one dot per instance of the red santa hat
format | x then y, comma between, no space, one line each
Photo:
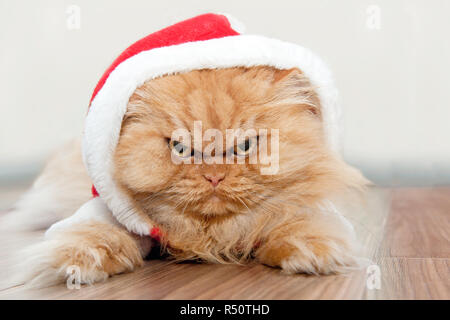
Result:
209,41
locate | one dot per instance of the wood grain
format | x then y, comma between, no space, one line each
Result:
404,231
414,278
419,223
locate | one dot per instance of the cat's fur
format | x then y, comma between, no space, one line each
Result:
281,220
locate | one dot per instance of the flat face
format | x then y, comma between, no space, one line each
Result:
272,111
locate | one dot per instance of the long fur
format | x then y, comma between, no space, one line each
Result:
61,188
98,250
252,206
281,220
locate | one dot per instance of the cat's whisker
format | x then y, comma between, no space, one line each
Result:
244,204
155,195
184,209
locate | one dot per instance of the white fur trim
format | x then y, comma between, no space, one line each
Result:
93,210
104,119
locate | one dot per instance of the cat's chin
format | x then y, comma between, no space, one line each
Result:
216,205
214,199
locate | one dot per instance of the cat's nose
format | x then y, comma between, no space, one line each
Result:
214,178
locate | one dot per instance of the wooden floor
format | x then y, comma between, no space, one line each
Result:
405,232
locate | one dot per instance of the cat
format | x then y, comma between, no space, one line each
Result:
220,213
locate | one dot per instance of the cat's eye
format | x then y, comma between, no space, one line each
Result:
180,149
244,148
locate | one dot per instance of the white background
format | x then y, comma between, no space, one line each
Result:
392,70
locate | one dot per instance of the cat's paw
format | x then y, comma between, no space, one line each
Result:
87,253
315,255
320,256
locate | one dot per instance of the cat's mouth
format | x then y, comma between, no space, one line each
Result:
214,198
217,203
220,201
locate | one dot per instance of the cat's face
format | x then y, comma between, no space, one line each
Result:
252,98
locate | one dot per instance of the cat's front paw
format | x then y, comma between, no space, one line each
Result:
315,255
87,253
321,256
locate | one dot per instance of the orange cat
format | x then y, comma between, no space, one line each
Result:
224,222
281,220
216,212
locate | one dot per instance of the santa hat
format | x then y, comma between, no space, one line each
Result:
209,41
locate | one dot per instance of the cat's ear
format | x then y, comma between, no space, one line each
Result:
293,87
